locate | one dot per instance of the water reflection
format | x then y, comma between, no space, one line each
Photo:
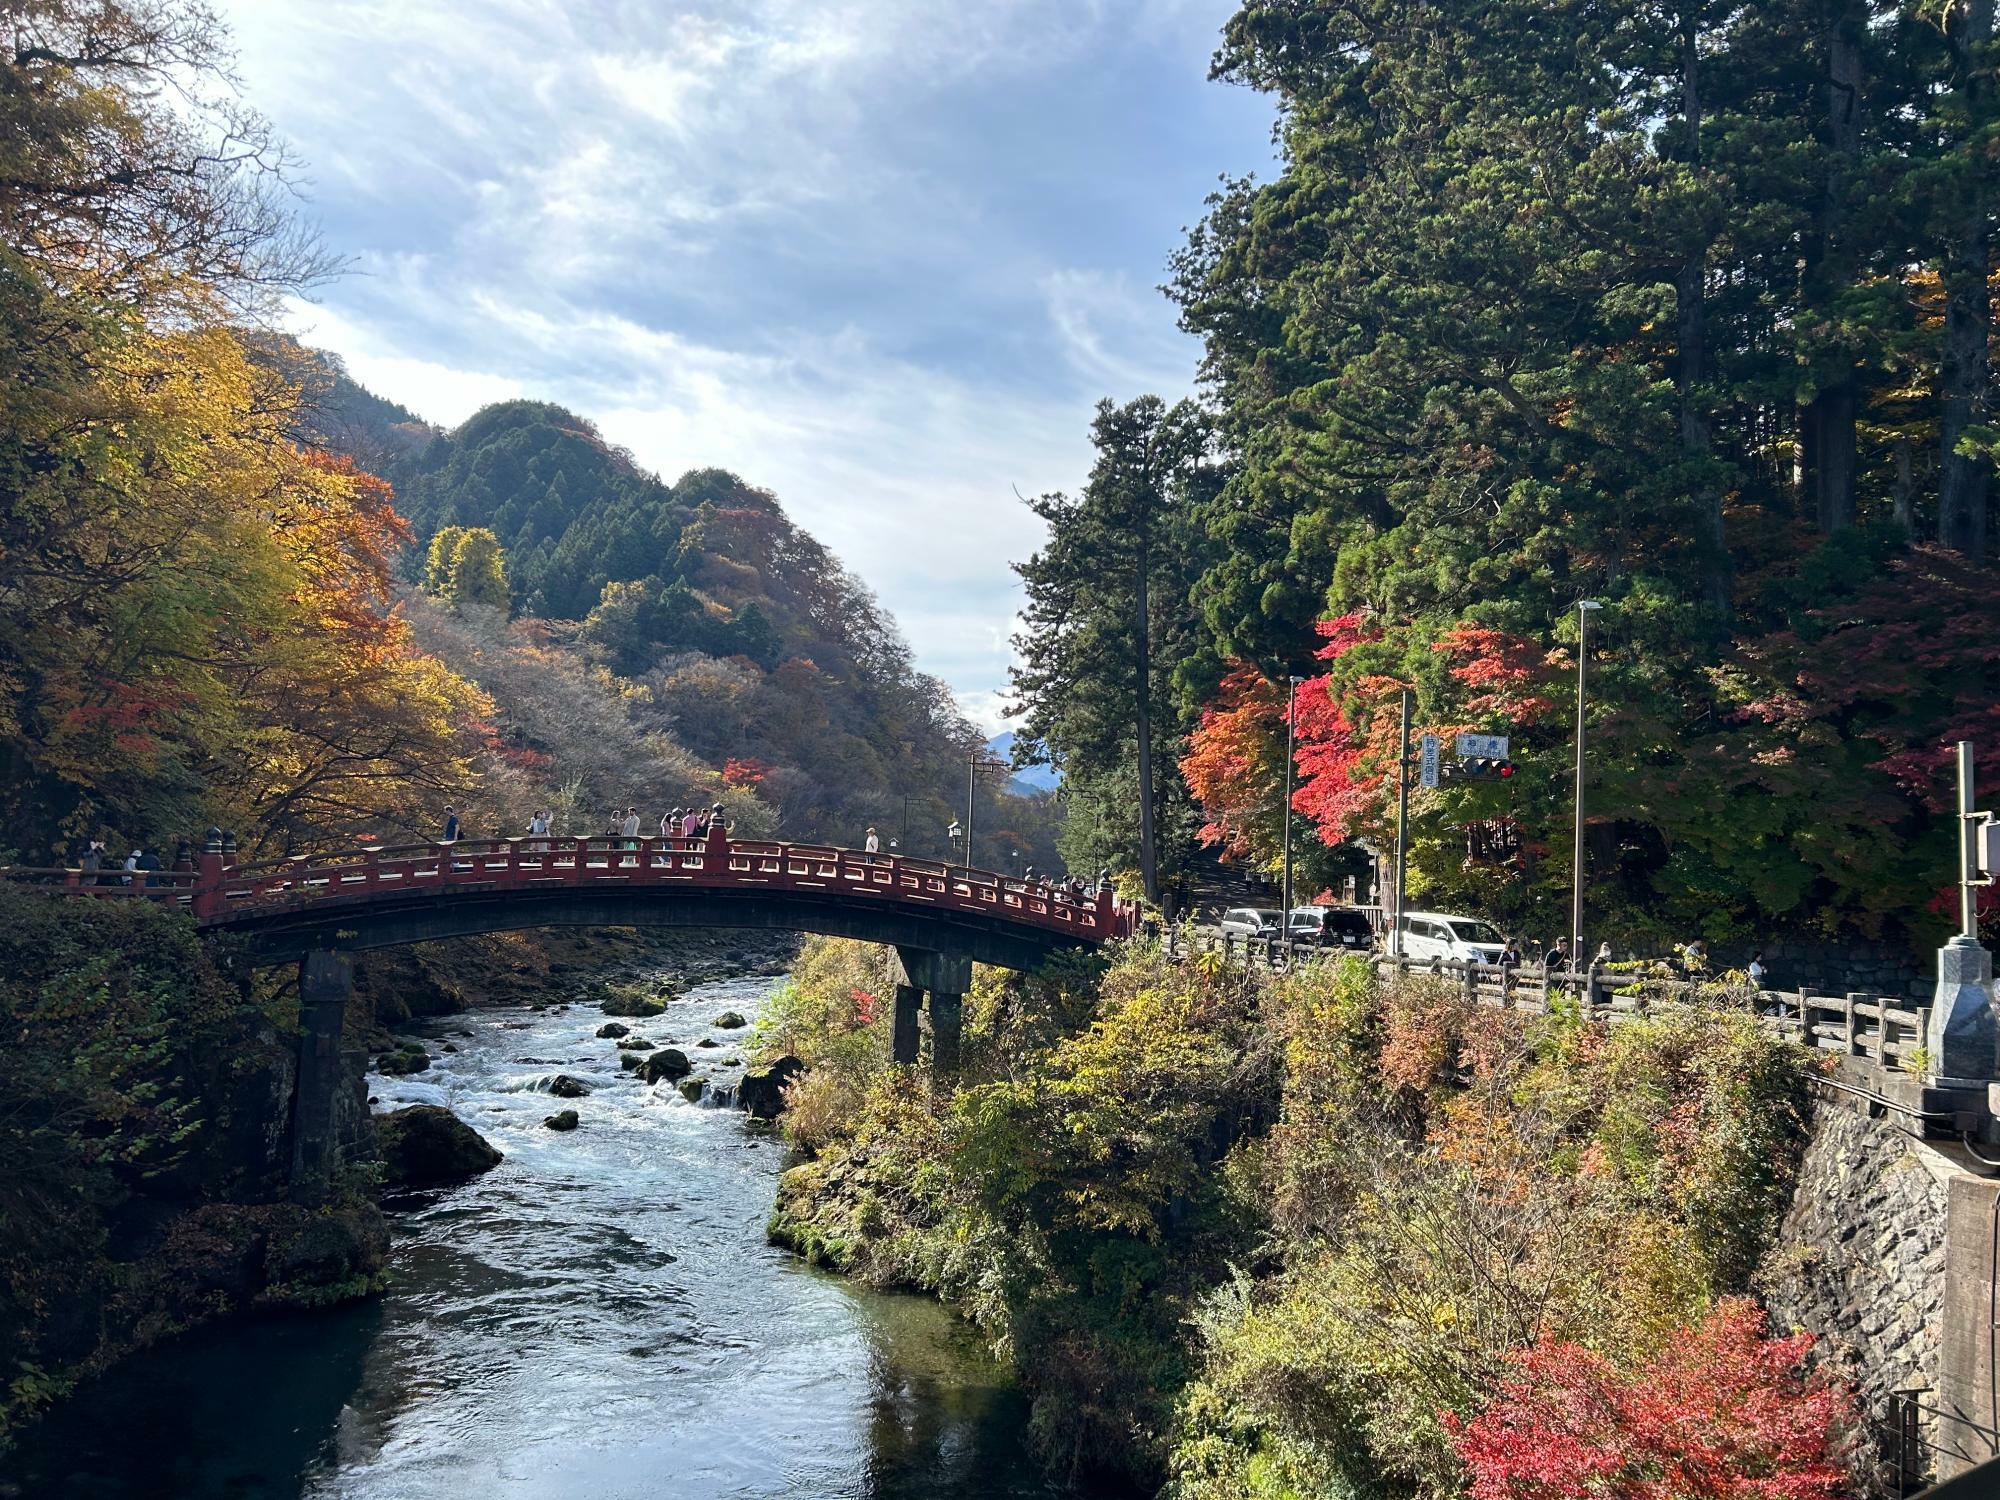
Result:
598,1317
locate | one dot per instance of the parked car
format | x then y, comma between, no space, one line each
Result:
1253,921
1334,927
1434,934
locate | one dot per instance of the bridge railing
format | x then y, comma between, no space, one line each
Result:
218,892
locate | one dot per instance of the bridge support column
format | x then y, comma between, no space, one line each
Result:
903,1027
945,977
326,984
947,1028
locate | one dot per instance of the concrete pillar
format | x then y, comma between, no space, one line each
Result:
947,1027
903,1028
326,984
945,977
1966,1374
1963,1039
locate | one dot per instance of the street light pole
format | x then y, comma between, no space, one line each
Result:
1291,744
1584,609
1402,828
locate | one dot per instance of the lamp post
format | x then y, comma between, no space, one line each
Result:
1584,609
951,835
1291,746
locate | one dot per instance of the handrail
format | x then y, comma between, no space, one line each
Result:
220,894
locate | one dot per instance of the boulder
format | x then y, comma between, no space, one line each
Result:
562,1119
762,1091
693,1088
404,1060
427,1144
730,1020
565,1087
708,1041
449,1047
637,1006
636,1044
630,1061
669,1063
611,1029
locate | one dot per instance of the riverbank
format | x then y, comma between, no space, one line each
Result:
1322,1234
600,1315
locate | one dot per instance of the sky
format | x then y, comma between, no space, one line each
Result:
881,257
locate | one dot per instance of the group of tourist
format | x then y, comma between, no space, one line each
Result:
138,868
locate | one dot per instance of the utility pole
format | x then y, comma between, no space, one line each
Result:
971,781
1402,827
1969,877
1291,744
1584,609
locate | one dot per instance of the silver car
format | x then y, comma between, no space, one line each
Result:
1253,921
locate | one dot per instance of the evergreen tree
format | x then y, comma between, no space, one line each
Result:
1108,619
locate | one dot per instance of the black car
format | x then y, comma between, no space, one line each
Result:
1333,927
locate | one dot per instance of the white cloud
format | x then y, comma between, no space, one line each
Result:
831,244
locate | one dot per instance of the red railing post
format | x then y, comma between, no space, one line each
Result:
208,877
715,849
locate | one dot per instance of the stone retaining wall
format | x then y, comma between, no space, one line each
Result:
1860,1260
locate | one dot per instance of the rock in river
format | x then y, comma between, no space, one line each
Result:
729,1020
565,1087
636,1044
427,1144
669,1063
692,1089
611,1029
762,1092
630,1061
632,1005
562,1119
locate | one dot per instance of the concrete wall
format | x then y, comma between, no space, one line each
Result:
1861,1259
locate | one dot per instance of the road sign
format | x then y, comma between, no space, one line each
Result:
1482,747
1428,774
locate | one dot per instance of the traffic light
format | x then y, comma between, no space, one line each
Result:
1481,768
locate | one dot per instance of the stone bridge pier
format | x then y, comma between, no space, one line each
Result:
945,977
329,1103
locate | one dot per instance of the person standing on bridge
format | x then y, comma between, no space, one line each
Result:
670,823
450,824
690,823
92,861
871,844
538,828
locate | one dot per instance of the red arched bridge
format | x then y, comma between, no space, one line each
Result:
379,897
318,911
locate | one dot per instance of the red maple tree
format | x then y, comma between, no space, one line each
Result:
1723,1413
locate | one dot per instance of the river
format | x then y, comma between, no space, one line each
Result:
597,1317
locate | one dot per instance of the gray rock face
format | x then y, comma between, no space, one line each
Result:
562,1119
612,1029
565,1087
427,1144
762,1091
669,1063
1860,1259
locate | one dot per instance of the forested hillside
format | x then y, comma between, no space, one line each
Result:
671,644
1682,309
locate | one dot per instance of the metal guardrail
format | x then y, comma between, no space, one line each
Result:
1884,1029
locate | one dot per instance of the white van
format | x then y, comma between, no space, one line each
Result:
1435,934
1253,922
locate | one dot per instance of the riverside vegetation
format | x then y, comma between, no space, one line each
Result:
1324,1234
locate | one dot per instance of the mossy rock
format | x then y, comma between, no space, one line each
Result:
562,1086
562,1119
708,1041
630,1061
669,1063
427,1144
403,1061
612,1029
692,1089
632,1005
636,1044
731,1020
762,1091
